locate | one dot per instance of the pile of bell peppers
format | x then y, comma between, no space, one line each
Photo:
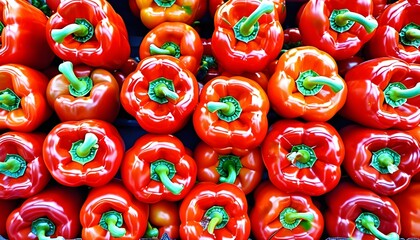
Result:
209,119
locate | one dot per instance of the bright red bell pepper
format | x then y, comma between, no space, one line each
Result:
408,204
7,206
112,212
22,169
157,168
214,211
340,28
50,214
232,112
357,213
96,36
163,219
278,215
247,35
23,103
161,94
259,77
303,157
244,170
383,93
85,152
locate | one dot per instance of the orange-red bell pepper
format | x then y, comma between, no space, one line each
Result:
163,219
408,204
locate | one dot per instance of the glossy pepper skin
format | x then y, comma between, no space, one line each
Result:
176,39
408,204
398,33
279,215
163,219
111,212
306,84
303,157
244,170
96,36
49,213
23,103
41,5
22,169
86,152
214,211
232,112
247,35
383,93
161,94
7,206
358,213
325,24
380,160
157,168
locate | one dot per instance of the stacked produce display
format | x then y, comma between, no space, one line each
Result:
209,119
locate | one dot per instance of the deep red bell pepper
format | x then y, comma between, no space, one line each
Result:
163,219
278,215
157,168
357,213
383,93
50,214
247,35
340,28
112,212
53,5
214,211
22,169
161,94
306,84
303,157
380,160
408,204
23,103
176,39
346,64
96,36
85,152
121,74
83,92
7,206
244,170
232,112
292,38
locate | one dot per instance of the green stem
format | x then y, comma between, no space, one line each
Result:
247,26
66,68
111,221
7,99
396,93
292,217
368,223
216,218
231,176
161,90
151,232
89,142
42,227
12,165
163,171
155,50
311,82
387,161
412,34
227,108
302,156
368,24
58,35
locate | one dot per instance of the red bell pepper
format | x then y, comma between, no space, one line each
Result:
380,160
398,33
157,168
303,157
23,103
163,219
50,214
340,28
383,93
232,112
408,204
112,212
53,5
7,206
85,152
357,213
176,39
83,92
121,74
22,169
247,35
259,77
214,211
208,66
278,215
292,38
346,64
96,36
244,170
306,84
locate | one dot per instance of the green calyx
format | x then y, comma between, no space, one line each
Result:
396,93
228,108
341,20
165,3
215,217
368,223
302,156
42,5
207,62
385,161
9,101
229,167
162,89
410,35
84,151
79,87
1,27
82,31
309,83
163,171
14,166
112,221
290,218
151,232
168,48
247,28
43,228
